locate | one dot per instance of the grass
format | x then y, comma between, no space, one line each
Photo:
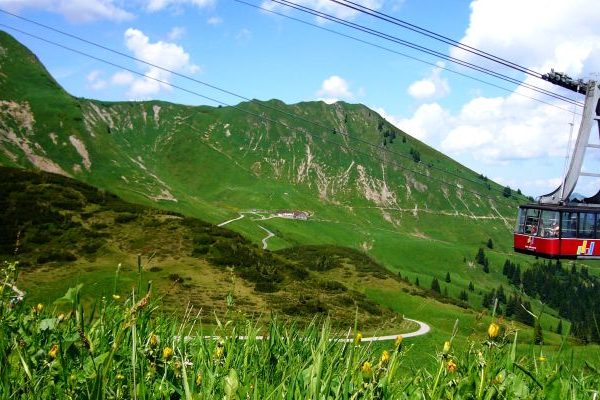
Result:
127,348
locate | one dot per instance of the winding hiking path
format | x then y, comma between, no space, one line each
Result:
423,329
231,220
269,236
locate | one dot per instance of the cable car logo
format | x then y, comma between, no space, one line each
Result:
584,250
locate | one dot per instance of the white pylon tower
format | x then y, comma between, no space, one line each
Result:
591,113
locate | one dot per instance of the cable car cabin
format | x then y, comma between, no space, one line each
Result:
554,231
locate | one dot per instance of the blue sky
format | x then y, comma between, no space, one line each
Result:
507,137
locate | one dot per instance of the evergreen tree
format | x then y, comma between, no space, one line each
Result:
500,294
448,277
490,244
463,296
486,266
511,306
480,257
417,281
471,286
435,286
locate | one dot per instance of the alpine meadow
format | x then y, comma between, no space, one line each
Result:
157,250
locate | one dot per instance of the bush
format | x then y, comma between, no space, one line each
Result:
56,256
125,217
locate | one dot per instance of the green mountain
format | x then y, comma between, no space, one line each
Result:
215,162
307,182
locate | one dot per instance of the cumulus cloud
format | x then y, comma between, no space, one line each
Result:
176,33
79,11
122,78
496,130
432,86
158,5
327,7
167,55
214,21
539,34
333,89
95,81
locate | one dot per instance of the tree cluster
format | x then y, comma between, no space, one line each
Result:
574,293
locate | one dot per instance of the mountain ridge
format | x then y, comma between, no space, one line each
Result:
387,194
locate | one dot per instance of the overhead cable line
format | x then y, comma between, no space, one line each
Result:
263,117
405,55
442,38
272,108
423,49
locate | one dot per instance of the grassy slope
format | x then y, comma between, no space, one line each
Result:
72,233
218,161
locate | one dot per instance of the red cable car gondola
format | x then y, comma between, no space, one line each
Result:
555,227
558,231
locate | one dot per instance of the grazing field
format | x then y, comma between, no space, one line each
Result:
125,347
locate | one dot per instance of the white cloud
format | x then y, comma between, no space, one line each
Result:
527,139
432,86
539,34
176,33
167,55
327,7
94,80
214,21
243,35
158,5
427,123
122,78
333,89
73,10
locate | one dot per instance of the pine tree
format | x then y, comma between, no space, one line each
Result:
435,286
490,244
448,277
471,286
417,281
500,294
480,257
463,296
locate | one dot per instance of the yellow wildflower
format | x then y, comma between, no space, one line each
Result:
398,341
451,366
366,369
167,353
542,359
219,351
53,351
493,330
116,297
198,379
447,346
39,307
119,377
153,340
358,338
61,317
499,378
385,357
